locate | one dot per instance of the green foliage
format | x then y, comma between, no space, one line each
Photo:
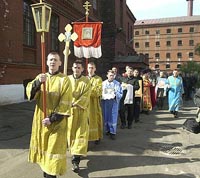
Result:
197,49
190,67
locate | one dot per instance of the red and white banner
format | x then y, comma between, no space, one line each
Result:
88,43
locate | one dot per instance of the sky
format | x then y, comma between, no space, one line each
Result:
154,9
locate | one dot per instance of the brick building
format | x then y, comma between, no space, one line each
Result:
167,42
117,34
20,57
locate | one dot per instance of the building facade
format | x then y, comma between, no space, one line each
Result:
20,57
118,23
167,42
20,46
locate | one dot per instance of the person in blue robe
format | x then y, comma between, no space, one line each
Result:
111,95
175,91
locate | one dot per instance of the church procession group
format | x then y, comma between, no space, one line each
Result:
72,110
82,108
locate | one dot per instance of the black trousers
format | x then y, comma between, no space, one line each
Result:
160,98
48,176
129,109
136,114
160,102
76,159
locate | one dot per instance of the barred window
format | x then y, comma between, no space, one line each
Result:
157,32
28,26
180,43
137,33
157,55
191,54
157,66
168,30
147,55
167,66
191,42
179,55
178,66
191,29
168,43
157,43
180,30
146,44
168,55
147,32
54,32
137,45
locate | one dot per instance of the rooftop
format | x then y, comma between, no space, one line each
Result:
168,20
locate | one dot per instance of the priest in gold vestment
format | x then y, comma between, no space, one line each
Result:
49,135
78,122
95,112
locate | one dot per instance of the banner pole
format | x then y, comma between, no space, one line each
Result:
86,6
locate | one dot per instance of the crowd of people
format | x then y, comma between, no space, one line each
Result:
81,108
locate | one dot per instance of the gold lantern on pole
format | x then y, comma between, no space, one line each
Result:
42,16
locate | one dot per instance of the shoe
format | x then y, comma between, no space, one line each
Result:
175,114
172,112
50,176
122,126
75,167
137,120
107,133
129,126
146,112
112,136
44,174
97,142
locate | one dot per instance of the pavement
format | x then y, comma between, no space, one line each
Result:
156,147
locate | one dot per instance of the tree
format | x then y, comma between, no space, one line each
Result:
197,49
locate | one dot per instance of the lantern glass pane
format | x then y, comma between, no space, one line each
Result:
47,18
38,16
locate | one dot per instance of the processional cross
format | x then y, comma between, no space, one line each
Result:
87,6
67,37
87,9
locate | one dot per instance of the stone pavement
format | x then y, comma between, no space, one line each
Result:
156,147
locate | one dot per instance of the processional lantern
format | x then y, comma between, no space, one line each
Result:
42,16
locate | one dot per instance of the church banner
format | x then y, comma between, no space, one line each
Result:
88,43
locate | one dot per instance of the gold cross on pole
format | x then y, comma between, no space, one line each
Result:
86,6
67,37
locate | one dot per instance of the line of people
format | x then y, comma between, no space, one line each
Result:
80,108
153,90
